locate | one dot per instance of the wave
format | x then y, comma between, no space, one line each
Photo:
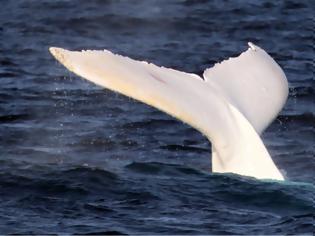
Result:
305,118
302,92
153,193
153,123
13,117
162,169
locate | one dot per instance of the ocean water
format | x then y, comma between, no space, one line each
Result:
76,158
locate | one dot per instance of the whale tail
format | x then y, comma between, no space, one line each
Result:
232,105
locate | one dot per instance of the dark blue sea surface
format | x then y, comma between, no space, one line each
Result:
76,158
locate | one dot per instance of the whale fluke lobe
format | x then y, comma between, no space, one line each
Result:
254,83
237,99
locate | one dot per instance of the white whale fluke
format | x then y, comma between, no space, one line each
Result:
237,99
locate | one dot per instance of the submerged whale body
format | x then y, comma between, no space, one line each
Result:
232,104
